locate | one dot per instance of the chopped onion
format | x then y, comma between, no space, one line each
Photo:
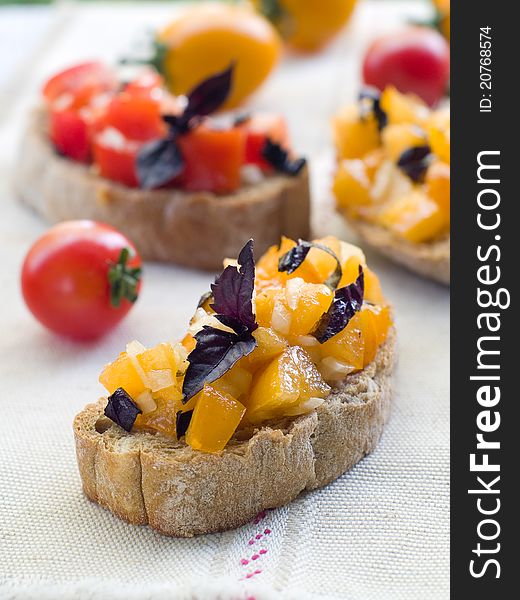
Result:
113,138
160,379
332,369
293,290
145,402
305,407
281,318
251,175
306,341
201,318
133,349
181,355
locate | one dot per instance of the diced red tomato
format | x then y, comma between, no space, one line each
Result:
213,159
116,163
69,133
148,83
136,117
137,120
258,128
82,82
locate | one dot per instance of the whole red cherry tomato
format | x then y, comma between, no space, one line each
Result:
81,278
416,60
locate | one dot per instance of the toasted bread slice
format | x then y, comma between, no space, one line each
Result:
195,229
432,259
145,478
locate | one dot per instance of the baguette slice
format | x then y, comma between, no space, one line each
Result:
431,260
145,478
195,229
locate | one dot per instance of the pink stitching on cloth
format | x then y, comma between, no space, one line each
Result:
259,553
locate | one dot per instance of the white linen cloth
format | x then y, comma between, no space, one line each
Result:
380,532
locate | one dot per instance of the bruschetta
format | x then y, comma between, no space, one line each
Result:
281,384
392,182
185,185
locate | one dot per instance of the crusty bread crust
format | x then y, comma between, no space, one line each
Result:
146,478
432,260
197,229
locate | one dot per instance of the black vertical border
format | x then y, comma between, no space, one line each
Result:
473,132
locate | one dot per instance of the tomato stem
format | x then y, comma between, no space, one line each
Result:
123,279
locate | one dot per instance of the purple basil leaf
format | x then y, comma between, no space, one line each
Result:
415,161
158,162
292,259
233,290
370,101
122,409
347,302
278,158
232,323
215,353
182,422
210,95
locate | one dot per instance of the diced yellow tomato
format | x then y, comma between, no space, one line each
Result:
282,384
403,108
189,342
270,345
294,310
440,142
415,217
354,136
438,186
383,321
400,137
352,184
267,274
160,357
319,264
122,373
373,160
236,382
348,345
264,306
373,291
368,326
163,419
215,419
312,301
